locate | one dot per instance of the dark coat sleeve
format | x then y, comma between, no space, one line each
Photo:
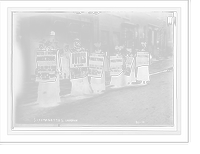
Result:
106,64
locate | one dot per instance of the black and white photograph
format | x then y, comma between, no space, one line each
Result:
94,72
93,68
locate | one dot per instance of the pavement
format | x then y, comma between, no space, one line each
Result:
150,105
29,92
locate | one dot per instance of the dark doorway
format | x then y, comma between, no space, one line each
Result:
86,37
129,39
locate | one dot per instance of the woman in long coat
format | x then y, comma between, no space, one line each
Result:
132,77
120,80
80,86
65,60
143,71
48,93
98,84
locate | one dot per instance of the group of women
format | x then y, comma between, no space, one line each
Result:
137,74
48,92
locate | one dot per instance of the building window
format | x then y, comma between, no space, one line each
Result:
74,31
150,40
116,40
86,37
129,39
61,31
136,40
105,40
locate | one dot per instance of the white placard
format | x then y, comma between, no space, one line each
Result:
96,64
78,65
46,65
142,59
116,64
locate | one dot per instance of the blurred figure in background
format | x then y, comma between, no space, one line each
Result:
123,51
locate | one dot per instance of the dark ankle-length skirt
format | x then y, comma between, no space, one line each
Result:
80,86
143,73
118,81
49,93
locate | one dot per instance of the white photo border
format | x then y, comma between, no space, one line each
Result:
180,133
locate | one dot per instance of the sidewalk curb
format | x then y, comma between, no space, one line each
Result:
153,73
163,70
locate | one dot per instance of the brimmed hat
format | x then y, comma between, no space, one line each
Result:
121,46
129,49
77,40
97,44
144,42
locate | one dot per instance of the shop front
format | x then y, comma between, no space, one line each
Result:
128,35
153,43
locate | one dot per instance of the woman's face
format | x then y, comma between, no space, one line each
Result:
77,44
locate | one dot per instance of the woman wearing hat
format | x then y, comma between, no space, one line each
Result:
98,84
80,86
65,60
143,71
48,92
132,77
41,45
123,51
120,80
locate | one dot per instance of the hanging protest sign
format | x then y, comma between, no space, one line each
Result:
96,64
46,65
116,64
142,59
78,65
128,65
